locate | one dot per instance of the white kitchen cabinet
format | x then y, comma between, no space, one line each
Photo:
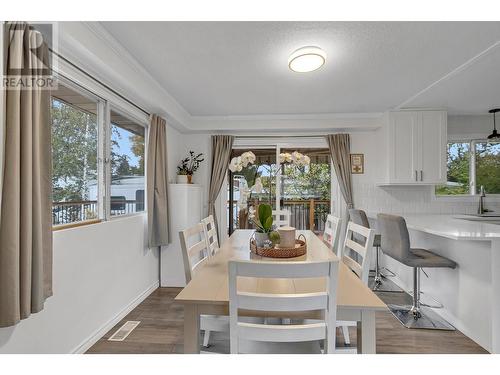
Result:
185,209
416,147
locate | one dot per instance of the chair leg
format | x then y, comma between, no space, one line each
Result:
380,283
345,332
377,280
206,338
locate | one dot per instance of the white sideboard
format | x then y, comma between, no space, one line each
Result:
416,147
185,209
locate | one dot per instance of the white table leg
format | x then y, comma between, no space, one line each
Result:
366,339
191,329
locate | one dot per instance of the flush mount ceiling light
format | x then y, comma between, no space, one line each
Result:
495,134
306,59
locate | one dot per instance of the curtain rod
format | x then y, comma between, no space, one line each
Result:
100,82
281,136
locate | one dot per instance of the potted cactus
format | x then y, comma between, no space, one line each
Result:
264,232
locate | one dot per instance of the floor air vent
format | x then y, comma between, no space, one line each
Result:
124,331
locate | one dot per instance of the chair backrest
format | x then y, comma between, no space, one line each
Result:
332,231
210,235
363,251
395,239
358,217
326,301
194,249
281,218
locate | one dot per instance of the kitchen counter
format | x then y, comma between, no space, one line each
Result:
454,227
469,293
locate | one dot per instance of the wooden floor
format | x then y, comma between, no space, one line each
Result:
161,331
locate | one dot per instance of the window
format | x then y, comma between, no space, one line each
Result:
127,165
472,165
74,156
487,163
93,159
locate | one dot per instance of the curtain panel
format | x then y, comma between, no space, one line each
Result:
157,183
340,152
26,206
221,156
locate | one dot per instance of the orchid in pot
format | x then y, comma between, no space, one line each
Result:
265,235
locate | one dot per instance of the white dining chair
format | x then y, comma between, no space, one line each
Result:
195,251
331,232
289,338
360,267
210,235
281,218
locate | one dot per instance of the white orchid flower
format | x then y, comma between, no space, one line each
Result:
251,212
248,158
258,187
296,157
235,165
285,157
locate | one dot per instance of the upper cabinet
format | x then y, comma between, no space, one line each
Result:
416,147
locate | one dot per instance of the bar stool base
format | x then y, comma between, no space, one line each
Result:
428,319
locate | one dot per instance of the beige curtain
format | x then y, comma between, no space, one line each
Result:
26,208
221,156
157,182
340,151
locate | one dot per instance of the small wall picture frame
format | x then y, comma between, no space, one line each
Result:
357,163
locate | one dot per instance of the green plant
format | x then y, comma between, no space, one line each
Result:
264,222
190,164
274,237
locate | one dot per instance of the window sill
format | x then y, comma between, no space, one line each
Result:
124,216
75,225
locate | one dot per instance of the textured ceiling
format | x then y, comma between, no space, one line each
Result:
240,68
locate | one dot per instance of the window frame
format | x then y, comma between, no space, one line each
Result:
472,196
104,106
83,91
129,115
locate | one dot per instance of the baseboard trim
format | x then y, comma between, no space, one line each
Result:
94,337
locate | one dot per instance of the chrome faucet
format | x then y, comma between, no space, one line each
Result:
481,210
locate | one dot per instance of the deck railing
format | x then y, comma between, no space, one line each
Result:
70,212
304,213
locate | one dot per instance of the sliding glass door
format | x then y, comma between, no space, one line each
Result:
253,185
305,191
276,177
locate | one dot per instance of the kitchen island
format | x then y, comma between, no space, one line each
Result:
470,293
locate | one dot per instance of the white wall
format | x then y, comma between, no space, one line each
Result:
477,126
100,272
408,199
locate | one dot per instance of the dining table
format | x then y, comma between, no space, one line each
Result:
208,291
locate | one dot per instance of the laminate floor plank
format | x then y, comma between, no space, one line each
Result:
161,332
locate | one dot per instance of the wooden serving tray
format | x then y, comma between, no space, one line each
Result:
280,252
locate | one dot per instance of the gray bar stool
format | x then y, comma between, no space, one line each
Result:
379,282
396,244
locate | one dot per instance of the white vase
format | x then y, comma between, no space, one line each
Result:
261,238
182,179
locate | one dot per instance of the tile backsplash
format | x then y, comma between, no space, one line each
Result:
411,200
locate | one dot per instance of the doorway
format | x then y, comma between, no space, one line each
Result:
303,190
